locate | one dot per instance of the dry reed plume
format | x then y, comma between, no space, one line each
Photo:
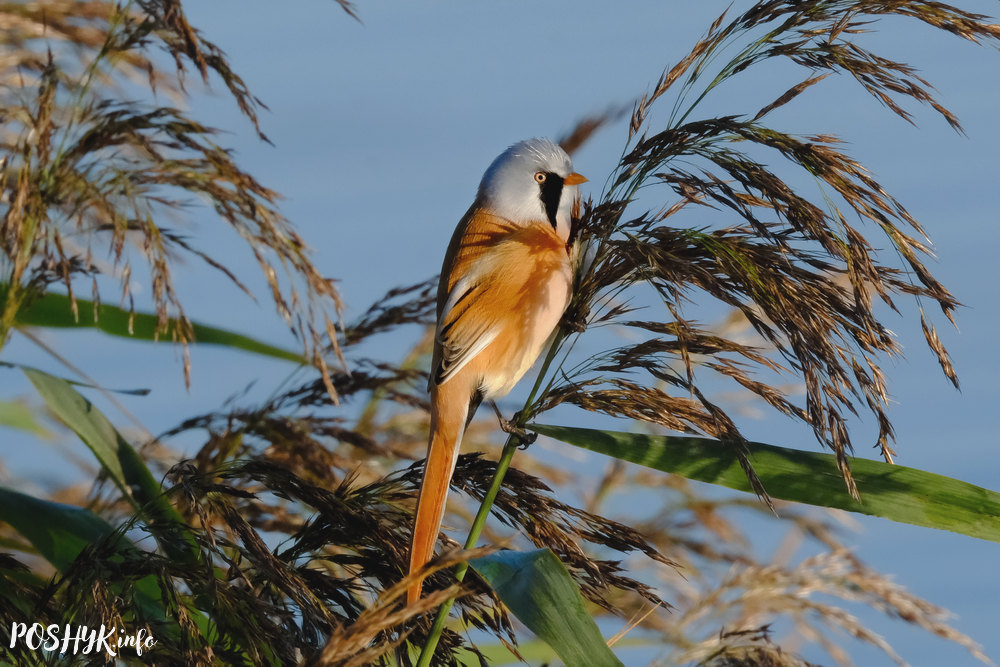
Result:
89,173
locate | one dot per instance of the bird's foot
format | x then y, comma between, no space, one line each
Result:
509,427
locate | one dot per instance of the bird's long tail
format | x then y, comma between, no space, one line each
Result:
448,418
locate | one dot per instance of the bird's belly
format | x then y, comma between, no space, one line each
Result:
529,325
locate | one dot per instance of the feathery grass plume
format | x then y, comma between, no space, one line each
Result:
587,127
88,172
723,589
750,648
413,304
296,455
75,33
758,592
803,269
334,574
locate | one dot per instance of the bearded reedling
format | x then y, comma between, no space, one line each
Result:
506,280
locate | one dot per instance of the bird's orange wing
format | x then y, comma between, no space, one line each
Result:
463,331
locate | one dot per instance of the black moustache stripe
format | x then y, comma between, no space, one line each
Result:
551,193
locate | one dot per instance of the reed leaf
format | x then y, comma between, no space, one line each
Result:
58,531
537,588
894,492
54,310
123,464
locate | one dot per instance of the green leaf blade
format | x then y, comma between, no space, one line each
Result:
536,586
54,310
58,531
124,465
898,493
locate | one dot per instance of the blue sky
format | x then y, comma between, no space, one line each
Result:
382,131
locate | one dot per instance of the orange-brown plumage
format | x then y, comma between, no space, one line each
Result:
505,282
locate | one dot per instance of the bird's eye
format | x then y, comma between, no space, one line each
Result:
540,177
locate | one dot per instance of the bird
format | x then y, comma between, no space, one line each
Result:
505,283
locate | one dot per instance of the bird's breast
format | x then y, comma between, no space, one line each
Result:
531,279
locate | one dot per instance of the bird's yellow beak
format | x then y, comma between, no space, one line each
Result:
574,179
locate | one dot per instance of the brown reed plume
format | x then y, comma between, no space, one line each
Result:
87,174
802,268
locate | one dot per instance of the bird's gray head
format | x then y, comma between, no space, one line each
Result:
532,181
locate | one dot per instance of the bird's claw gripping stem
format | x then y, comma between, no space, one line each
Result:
510,427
